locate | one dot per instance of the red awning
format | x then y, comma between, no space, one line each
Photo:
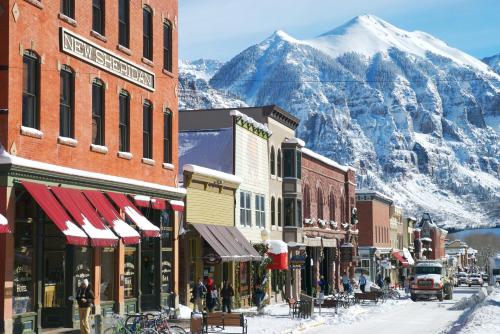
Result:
142,201
86,216
400,258
158,204
177,205
4,225
49,204
147,228
128,234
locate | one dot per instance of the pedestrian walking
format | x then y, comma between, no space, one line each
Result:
259,295
407,286
380,281
199,292
85,298
322,284
346,282
212,296
227,294
362,282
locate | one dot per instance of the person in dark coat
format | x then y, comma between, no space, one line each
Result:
227,294
85,298
199,291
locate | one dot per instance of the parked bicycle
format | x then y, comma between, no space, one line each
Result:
132,324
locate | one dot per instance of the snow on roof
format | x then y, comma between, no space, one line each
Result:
6,159
376,193
212,173
297,141
248,119
326,160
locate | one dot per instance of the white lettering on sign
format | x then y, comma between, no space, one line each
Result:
83,49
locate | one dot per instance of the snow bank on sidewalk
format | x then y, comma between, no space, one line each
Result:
485,319
471,301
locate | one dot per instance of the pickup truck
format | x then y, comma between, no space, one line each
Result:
430,280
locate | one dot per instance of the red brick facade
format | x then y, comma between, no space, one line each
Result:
374,220
35,25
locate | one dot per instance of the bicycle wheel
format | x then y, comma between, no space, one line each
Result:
147,331
395,294
176,330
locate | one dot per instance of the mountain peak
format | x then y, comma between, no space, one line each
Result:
281,35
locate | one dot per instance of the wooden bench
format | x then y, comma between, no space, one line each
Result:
215,322
330,303
371,296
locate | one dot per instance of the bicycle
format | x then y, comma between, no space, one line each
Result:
390,293
138,325
162,326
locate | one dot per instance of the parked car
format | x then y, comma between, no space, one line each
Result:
485,278
475,279
462,278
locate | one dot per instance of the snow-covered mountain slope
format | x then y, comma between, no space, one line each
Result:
418,119
493,62
195,91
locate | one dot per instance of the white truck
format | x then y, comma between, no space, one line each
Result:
431,280
494,270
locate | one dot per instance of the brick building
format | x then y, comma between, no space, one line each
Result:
374,214
328,197
429,239
88,121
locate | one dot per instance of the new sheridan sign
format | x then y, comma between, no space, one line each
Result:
83,49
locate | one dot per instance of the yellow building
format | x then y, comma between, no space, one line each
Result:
211,244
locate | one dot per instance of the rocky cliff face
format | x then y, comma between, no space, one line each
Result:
493,62
417,118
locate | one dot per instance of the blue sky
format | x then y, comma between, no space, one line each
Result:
220,29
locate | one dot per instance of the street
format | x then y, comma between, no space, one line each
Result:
405,316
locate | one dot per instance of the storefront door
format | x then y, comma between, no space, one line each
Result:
149,275
54,298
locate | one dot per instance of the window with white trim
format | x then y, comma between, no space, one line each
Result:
245,208
260,211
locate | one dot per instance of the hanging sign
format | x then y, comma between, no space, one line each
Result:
212,259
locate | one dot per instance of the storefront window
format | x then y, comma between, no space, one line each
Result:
167,240
54,271
129,274
22,300
82,267
244,279
108,274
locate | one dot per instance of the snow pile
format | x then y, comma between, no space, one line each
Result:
471,301
486,317
184,312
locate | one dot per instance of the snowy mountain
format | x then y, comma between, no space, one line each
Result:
493,62
419,119
195,91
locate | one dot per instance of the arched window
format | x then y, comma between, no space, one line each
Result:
68,8
66,102
124,121
167,136
147,32
98,112
272,161
320,203
98,16
31,90
273,212
342,210
279,213
147,130
278,167
307,201
331,205
167,46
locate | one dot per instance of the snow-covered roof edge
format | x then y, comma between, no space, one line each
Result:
326,160
297,141
6,158
212,173
252,121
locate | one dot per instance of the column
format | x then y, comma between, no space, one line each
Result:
7,208
120,277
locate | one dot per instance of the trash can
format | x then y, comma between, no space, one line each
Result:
196,324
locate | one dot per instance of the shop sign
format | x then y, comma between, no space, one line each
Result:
83,49
212,259
297,262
